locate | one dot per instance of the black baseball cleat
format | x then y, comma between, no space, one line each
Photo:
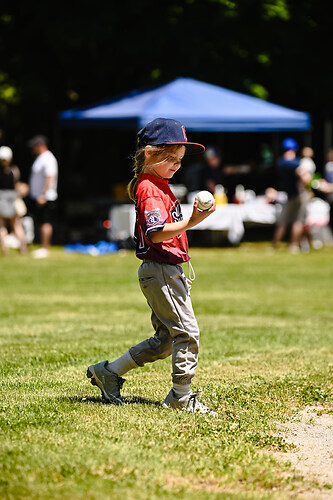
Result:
109,383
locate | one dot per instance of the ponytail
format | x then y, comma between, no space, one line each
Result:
139,163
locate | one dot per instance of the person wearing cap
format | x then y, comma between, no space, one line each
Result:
161,245
291,179
205,174
42,202
307,169
212,171
9,196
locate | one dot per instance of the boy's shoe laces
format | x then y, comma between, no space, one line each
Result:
195,406
187,403
193,399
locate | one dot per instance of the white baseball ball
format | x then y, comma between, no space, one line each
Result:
205,200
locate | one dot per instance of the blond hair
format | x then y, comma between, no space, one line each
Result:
140,164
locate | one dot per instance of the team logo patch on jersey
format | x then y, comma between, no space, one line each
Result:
176,213
153,217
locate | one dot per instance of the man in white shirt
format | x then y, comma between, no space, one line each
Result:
43,192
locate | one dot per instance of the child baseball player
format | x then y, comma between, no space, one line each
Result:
161,245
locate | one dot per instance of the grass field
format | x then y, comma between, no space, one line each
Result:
266,351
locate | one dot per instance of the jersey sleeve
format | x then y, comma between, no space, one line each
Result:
152,214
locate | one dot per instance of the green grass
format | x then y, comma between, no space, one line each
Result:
266,350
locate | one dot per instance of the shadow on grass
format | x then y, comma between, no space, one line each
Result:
127,400
141,401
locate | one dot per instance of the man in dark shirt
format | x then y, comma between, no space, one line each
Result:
212,171
206,174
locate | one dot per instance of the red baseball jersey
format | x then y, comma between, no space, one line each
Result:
156,206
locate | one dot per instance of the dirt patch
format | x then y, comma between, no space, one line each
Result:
196,484
311,431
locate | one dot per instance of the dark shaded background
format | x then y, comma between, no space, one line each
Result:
55,56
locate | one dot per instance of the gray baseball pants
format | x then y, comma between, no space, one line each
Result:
176,329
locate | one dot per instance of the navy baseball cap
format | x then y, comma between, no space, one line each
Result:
289,143
166,131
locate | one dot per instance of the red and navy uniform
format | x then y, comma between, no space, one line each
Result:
155,206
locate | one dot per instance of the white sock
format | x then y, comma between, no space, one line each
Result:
181,390
123,364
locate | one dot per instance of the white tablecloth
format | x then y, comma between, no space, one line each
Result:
229,218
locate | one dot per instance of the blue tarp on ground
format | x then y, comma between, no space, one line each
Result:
199,106
100,248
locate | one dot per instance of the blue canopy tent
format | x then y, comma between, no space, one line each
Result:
200,106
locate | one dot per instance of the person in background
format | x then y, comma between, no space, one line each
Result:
205,174
307,169
9,196
306,161
42,202
325,185
292,180
212,171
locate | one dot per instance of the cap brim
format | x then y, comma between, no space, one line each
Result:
192,148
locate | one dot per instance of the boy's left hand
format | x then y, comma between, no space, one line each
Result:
199,215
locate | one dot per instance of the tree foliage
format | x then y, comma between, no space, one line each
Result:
59,55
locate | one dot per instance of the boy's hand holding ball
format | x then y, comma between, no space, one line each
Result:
205,200
204,205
